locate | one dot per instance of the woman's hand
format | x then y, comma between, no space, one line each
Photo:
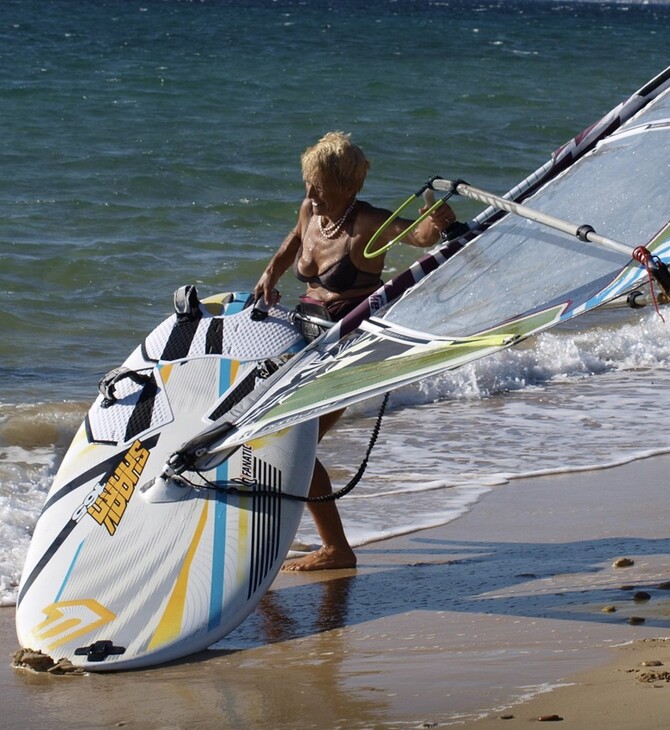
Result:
441,217
265,289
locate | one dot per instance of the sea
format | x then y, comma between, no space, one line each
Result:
148,144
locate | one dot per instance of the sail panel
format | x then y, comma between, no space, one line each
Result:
517,265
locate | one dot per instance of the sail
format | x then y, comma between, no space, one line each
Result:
514,277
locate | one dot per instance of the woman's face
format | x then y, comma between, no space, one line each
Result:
325,201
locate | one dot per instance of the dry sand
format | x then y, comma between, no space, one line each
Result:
453,626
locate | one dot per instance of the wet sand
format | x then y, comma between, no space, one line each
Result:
457,625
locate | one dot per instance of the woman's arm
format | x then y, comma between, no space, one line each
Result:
427,233
282,261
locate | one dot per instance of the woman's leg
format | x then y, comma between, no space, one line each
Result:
335,551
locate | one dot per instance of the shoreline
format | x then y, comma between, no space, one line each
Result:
457,625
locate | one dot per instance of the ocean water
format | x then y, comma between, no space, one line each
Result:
152,144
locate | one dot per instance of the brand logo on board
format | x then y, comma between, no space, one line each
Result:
68,620
106,503
247,465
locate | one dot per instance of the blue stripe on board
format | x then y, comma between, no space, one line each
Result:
236,306
69,571
220,509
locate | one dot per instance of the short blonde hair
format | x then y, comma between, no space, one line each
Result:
336,162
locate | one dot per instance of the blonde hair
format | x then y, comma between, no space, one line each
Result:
336,163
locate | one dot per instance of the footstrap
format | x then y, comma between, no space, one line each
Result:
107,385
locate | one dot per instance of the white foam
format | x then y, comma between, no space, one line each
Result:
25,475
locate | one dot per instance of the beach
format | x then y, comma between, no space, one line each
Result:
511,613
156,145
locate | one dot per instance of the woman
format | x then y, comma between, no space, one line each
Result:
325,250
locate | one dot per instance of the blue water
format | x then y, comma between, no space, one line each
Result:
151,144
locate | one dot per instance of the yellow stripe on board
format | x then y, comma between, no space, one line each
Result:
243,535
214,304
165,371
234,367
169,626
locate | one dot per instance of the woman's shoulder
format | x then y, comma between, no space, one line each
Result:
304,217
365,212
364,207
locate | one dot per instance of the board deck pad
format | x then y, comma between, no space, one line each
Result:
126,569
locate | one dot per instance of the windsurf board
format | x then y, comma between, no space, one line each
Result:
127,568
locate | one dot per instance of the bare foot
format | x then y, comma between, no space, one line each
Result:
325,558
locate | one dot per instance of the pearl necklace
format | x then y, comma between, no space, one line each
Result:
334,228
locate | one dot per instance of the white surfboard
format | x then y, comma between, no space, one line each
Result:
126,570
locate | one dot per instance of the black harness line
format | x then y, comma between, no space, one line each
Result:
236,490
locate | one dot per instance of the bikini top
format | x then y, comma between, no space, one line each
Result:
340,276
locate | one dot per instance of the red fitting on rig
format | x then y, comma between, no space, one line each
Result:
642,255
656,270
